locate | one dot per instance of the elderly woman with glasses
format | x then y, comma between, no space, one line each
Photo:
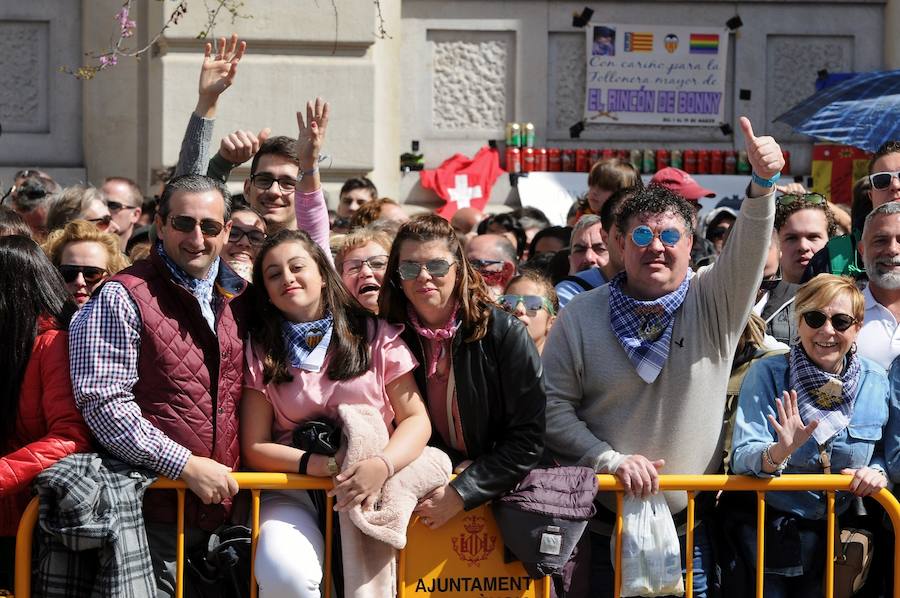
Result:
819,409
85,257
531,297
361,261
479,370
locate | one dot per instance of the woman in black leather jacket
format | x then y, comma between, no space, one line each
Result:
478,368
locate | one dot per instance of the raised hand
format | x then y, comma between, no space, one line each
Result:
217,72
763,153
240,146
792,432
312,132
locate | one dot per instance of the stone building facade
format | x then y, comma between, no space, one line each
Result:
448,74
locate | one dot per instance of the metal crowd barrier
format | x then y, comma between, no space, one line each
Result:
255,482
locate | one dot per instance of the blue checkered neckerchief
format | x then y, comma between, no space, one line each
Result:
823,396
644,328
201,288
307,342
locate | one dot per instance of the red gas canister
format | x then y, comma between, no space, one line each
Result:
554,159
582,160
703,162
717,162
690,161
513,159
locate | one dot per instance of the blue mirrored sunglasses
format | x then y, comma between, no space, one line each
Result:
643,235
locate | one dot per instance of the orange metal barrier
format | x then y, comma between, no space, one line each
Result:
255,482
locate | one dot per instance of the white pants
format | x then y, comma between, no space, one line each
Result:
291,549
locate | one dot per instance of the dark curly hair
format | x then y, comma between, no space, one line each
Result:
783,212
655,199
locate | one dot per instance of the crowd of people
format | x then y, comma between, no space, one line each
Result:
196,334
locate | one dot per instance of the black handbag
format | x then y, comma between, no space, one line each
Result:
322,437
221,568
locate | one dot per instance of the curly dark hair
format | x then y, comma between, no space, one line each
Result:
783,212
655,199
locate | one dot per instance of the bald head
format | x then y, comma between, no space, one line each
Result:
465,220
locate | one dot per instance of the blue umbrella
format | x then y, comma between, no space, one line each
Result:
863,111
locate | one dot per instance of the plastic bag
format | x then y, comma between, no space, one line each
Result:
651,554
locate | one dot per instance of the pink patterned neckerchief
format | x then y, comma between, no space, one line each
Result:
435,336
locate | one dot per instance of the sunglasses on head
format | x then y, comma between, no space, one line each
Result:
256,237
532,303
91,274
375,263
437,268
882,180
102,223
643,235
816,319
186,224
810,198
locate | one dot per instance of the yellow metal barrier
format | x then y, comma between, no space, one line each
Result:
255,482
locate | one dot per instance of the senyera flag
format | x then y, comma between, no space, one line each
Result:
464,182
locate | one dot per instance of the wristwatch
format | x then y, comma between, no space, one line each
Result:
332,466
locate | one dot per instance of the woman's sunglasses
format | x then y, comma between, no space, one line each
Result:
532,303
208,226
643,235
91,274
101,223
810,198
882,180
437,268
256,237
816,319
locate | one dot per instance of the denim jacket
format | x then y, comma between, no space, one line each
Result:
854,447
892,431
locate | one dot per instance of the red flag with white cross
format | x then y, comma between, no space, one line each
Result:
464,182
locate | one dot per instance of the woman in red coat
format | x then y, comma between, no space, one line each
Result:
39,424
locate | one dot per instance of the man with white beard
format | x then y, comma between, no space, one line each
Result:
879,338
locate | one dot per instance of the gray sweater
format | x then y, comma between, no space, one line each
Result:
599,410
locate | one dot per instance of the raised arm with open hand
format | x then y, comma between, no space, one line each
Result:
764,155
792,432
217,73
310,140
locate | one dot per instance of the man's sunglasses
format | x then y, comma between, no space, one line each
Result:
115,207
256,237
816,319
769,283
483,265
101,223
810,198
186,224
532,303
437,268
91,274
882,180
643,235
264,181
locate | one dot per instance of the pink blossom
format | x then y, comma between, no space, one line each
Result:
108,60
127,25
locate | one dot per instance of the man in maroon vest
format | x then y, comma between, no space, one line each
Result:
157,362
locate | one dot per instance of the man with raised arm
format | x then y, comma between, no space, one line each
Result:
636,371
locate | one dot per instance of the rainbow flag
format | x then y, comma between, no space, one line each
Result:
638,42
704,43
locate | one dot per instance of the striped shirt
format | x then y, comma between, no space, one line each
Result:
104,346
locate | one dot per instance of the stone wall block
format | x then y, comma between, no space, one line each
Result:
23,95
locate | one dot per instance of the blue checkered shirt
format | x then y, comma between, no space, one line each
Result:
104,346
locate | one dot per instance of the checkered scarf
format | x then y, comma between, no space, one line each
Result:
644,328
307,343
201,288
823,396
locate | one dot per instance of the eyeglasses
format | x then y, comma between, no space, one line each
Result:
770,282
484,264
91,274
376,263
816,319
102,223
437,268
208,226
264,181
115,207
256,237
811,198
882,180
532,303
643,235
